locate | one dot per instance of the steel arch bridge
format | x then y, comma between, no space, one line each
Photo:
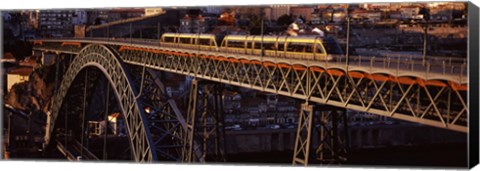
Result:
431,97
140,125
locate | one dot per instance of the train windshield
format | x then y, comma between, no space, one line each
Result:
331,46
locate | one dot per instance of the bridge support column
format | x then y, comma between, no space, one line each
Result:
210,133
213,122
318,127
302,140
333,136
187,152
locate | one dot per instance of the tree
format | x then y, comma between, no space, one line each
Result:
226,19
303,18
284,20
425,12
98,21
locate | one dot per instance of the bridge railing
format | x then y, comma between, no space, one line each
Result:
432,64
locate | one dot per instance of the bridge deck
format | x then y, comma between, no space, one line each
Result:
436,68
391,87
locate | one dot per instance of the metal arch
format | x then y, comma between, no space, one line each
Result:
165,121
102,58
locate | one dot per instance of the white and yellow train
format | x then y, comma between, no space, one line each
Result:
311,47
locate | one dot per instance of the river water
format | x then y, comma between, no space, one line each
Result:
451,155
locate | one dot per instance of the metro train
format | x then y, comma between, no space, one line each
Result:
302,47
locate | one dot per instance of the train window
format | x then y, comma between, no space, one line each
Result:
331,46
168,39
204,42
266,45
281,46
319,48
249,45
184,40
269,46
299,47
236,44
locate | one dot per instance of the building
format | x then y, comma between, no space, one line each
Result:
213,9
278,10
97,17
195,24
18,75
95,128
335,15
56,23
395,15
376,6
153,11
6,17
210,19
231,101
117,125
316,18
272,100
33,19
445,11
304,12
363,15
410,12
8,62
245,12
359,117
80,17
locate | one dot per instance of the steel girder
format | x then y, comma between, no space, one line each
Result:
212,119
333,144
205,108
104,59
189,147
440,104
318,128
165,121
302,139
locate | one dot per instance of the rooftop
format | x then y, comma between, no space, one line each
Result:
28,62
22,70
8,55
411,6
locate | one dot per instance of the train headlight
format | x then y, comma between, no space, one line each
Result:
329,57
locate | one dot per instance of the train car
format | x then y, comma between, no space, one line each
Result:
189,41
307,47
302,47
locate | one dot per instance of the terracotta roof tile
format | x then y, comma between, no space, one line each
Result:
23,71
29,62
8,55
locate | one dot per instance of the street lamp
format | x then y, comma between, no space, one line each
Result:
426,16
347,54
261,27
